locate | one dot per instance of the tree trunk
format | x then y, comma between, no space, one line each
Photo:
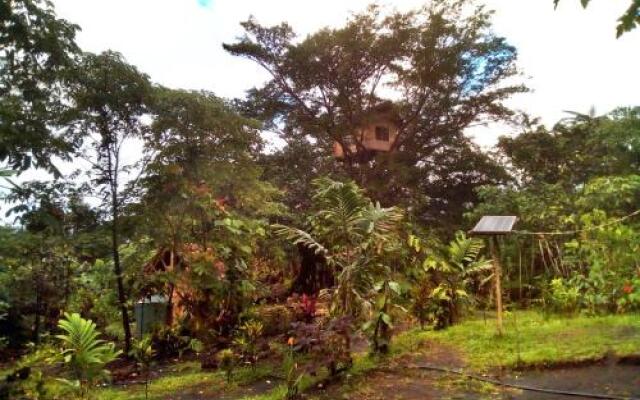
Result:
314,273
169,317
122,297
36,324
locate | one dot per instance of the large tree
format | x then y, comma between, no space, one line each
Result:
36,50
576,150
203,203
440,68
109,104
201,147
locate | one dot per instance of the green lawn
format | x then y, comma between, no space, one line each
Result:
540,341
531,339
188,378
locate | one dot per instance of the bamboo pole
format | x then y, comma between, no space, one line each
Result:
497,278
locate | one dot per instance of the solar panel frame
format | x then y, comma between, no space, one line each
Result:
494,225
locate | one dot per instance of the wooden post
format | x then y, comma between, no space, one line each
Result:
497,277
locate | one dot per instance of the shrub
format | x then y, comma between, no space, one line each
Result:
630,297
327,346
142,351
171,341
247,341
227,361
562,296
276,319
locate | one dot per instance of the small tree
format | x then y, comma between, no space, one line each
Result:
83,354
227,361
247,341
355,236
380,325
143,353
109,104
452,269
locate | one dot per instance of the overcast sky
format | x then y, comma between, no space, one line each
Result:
570,56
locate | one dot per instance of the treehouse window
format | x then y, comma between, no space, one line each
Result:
382,133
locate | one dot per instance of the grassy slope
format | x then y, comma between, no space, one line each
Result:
540,340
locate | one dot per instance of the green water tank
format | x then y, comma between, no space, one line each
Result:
150,313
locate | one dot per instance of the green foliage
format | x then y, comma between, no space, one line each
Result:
205,204
358,239
83,355
354,235
28,377
247,340
561,296
325,85
449,272
142,351
227,362
578,181
37,49
380,326
627,21
173,341
37,273
200,201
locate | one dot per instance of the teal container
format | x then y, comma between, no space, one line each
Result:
150,313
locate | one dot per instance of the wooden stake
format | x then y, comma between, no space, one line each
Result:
497,276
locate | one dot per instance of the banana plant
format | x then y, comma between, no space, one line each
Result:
353,234
380,326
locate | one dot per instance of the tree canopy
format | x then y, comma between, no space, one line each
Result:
439,68
37,49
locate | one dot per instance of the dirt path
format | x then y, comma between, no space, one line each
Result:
401,381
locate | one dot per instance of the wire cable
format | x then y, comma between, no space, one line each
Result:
522,387
573,232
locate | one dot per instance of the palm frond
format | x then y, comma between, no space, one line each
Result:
338,201
86,354
298,236
463,250
379,220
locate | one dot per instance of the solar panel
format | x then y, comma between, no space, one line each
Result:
494,225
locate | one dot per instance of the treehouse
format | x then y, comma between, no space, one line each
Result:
376,133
